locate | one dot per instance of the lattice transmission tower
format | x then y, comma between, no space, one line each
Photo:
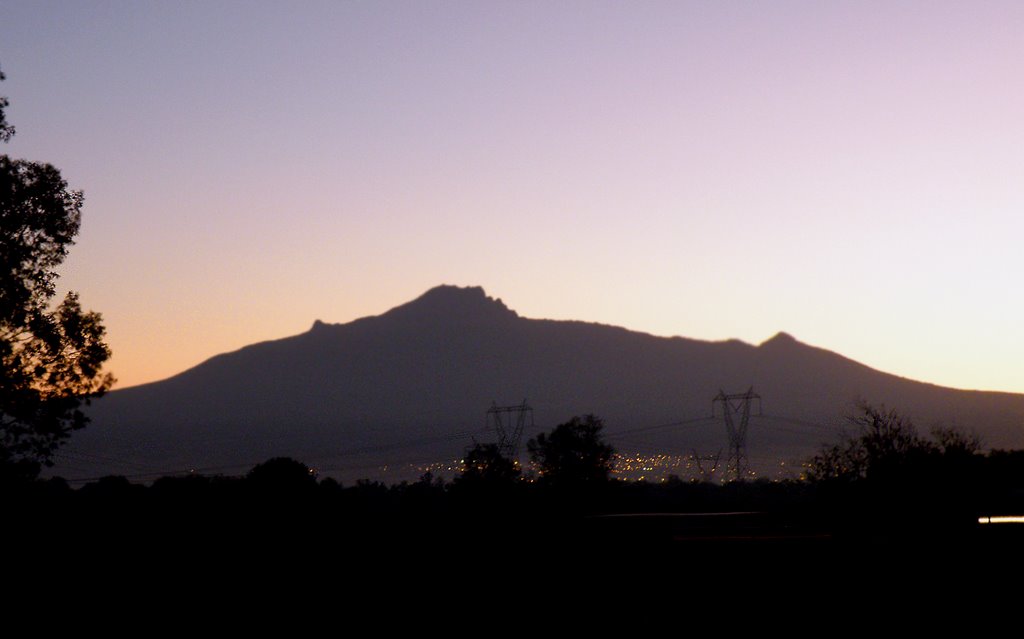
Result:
707,465
509,422
733,405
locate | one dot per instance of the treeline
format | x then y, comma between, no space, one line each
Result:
881,481
975,485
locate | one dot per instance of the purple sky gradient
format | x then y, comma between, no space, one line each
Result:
849,172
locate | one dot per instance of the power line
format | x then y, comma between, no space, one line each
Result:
794,420
737,452
642,429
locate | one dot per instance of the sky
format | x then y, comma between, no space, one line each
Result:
847,172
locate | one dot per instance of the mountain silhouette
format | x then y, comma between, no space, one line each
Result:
414,384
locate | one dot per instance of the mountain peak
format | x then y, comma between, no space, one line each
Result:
779,339
454,302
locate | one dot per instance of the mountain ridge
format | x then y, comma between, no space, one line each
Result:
430,368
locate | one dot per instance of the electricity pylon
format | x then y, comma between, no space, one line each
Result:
509,422
736,404
707,474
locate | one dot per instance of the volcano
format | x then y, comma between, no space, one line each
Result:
413,385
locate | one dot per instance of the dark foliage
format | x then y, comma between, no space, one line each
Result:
6,130
573,453
884,446
50,358
485,465
884,479
281,474
226,524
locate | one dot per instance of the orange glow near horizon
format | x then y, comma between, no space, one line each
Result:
848,174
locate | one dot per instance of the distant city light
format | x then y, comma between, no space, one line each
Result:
625,466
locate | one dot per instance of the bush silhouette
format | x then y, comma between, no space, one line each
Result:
281,474
573,453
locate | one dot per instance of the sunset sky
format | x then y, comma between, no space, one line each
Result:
849,172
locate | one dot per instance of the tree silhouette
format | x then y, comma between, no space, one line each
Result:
881,442
885,479
573,453
281,474
50,359
6,130
885,445
485,465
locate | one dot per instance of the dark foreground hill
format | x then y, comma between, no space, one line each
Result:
414,384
